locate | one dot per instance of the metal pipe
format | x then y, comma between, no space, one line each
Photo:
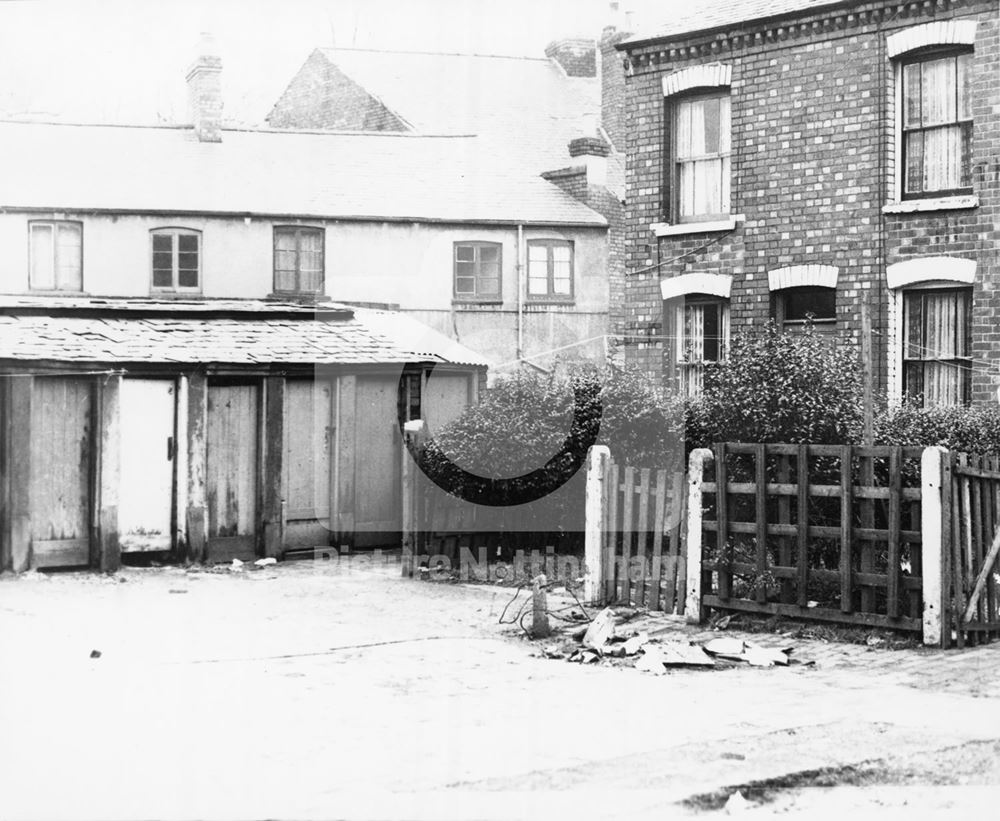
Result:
520,291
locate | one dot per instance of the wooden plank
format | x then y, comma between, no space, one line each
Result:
659,524
108,557
867,505
642,537
628,502
830,491
979,539
611,579
955,541
274,474
721,516
61,552
965,469
980,581
868,579
846,523
196,522
990,522
965,523
802,524
814,613
678,548
947,573
784,505
18,519
893,571
760,465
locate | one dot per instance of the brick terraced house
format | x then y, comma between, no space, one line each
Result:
789,159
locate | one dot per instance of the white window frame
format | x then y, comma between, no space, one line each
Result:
55,226
691,370
298,231
550,294
174,234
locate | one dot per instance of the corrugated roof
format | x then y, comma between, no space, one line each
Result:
253,339
367,176
712,14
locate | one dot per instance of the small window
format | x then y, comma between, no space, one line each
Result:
176,259
702,337
56,255
701,152
477,270
550,269
298,260
936,359
797,307
408,400
937,125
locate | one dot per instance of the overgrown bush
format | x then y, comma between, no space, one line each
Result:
973,429
777,387
524,427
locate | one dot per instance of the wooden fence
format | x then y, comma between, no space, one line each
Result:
822,532
642,550
971,548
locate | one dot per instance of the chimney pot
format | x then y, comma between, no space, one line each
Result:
594,151
577,57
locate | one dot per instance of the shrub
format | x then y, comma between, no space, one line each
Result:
524,426
972,429
777,387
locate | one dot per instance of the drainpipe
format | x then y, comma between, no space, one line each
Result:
520,291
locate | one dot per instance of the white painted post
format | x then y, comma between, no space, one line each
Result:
594,525
930,547
413,433
697,461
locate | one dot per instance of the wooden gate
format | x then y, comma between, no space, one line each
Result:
62,471
971,547
231,467
827,532
376,479
643,556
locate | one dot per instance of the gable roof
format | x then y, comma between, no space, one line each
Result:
252,333
526,105
713,14
318,175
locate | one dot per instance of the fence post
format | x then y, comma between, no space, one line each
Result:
699,458
412,437
594,523
932,545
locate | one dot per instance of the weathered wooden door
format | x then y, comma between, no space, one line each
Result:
446,396
62,438
377,472
148,449
231,467
309,433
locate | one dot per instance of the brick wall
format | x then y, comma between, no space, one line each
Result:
577,57
323,97
812,142
613,87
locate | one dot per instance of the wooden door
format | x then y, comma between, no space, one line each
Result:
445,398
61,471
377,472
145,508
309,434
231,467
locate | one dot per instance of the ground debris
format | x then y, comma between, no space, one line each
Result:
736,803
753,654
265,562
600,631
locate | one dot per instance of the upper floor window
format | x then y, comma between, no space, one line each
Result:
937,124
936,350
176,259
702,334
797,307
701,156
298,259
56,255
477,270
550,269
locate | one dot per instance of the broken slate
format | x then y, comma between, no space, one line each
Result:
601,630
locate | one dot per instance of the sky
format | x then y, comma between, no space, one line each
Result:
59,59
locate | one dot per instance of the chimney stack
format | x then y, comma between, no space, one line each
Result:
578,58
594,153
204,81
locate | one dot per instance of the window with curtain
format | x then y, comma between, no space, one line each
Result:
176,259
936,353
937,125
477,270
298,259
702,325
701,127
550,269
56,255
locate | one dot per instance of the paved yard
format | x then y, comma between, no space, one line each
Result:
321,690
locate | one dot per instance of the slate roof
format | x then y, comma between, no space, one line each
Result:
525,104
131,334
712,14
365,176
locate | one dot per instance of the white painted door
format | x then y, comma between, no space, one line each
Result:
147,466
